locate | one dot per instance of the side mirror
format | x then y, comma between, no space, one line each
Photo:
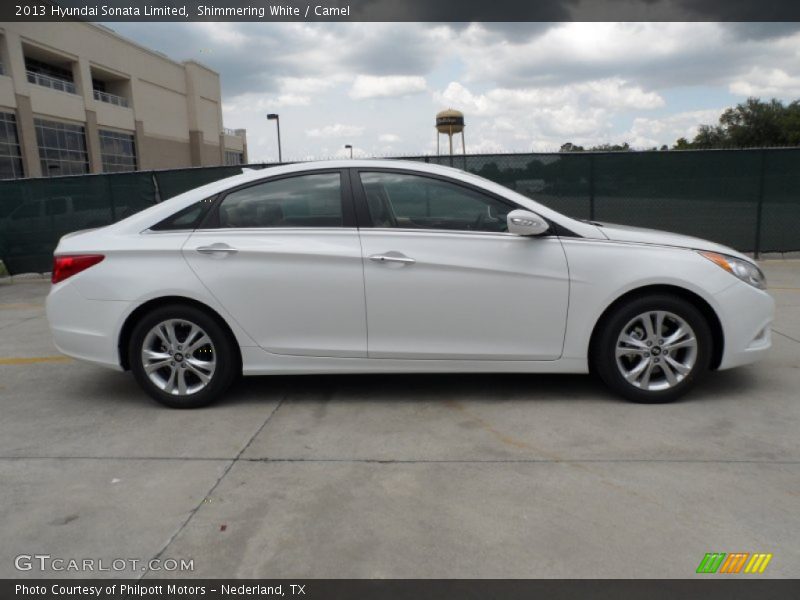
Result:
525,222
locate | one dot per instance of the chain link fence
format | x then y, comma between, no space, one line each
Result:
746,199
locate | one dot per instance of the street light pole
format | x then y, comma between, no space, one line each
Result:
274,117
348,146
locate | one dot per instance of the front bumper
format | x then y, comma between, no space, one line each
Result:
746,314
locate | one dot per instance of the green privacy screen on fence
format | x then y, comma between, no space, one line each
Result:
172,183
747,199
713,194
35,213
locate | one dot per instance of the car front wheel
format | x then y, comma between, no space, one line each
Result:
653,349
182,357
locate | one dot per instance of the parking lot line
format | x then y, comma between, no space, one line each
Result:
20,305
28,360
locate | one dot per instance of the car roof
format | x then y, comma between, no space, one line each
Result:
381,163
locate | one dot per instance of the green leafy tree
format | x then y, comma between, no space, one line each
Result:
751,124
611,147
570,147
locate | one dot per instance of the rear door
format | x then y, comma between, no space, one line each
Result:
284,259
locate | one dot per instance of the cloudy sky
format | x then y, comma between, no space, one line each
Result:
522,86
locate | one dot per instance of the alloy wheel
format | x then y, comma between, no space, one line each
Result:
656,350
178,357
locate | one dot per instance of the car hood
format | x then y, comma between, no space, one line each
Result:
641,235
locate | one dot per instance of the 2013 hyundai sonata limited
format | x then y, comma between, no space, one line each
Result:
388,267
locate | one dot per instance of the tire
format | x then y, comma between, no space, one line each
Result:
653,366
179,375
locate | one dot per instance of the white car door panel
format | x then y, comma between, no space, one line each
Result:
284,261
295,291
464,295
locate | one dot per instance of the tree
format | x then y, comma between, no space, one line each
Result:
752,124
570,147
625,147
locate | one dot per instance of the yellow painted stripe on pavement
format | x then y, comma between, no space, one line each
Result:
20,305
29,360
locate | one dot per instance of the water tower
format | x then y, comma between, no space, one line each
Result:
450,122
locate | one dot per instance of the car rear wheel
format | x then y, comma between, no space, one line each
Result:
182,357
653,349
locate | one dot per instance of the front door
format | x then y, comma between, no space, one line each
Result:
444,279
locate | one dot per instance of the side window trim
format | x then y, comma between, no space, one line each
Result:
162,225
211,220
364,218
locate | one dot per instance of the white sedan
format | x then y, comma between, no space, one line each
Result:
369,266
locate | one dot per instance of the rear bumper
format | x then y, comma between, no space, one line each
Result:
85,329
746,314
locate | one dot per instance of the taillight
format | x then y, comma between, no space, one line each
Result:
69,265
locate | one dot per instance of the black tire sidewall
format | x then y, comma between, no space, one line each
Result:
604,360
224,373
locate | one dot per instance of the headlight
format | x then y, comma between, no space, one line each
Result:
743,269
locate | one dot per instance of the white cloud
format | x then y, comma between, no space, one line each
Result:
307,85
345,152
372,86
262,103
614,94
522,86
546,117
290,100
571,52
647,132
483,145
221,33
767,82
338,130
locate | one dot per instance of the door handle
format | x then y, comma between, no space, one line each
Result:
395,258
213,248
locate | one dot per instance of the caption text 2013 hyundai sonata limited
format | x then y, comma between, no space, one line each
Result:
387,267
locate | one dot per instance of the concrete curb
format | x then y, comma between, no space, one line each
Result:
779,255
20,277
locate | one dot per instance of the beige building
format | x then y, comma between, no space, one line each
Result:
78,98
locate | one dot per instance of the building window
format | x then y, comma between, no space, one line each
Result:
10,155
62,148
43,68
234,158
117,151
51,76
